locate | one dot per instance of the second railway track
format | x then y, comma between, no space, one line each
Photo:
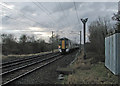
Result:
5,63
18,72
9,64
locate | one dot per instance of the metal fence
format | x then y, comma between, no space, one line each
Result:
112,53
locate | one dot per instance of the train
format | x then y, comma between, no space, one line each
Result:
66,45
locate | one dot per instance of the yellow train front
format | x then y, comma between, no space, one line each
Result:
64,45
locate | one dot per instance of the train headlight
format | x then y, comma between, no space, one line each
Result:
66,46
59,46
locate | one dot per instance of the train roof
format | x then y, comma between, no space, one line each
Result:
64,38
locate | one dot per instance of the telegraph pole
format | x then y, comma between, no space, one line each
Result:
52,42
118,27
119,7
80,41
84,27
75,39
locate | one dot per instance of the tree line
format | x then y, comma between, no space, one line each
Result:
26,44
98,30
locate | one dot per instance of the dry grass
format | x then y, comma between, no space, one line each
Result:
24,55
88,73
98,74
81,63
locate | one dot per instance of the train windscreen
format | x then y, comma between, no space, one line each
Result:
63,44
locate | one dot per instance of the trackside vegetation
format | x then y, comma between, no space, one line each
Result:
26,44
92,70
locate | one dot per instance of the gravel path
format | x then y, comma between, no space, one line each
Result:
48,74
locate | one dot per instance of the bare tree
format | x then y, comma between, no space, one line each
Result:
98,32
26,45
9,44
55,41
116,17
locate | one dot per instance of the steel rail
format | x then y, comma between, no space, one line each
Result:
17,63
30,57
25,60
30,71
1,74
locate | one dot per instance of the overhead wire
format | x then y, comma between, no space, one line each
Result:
44,8
25,30
28,19
31,19
64,13
76,13
50,15
44,11
47,11
15,20
21,14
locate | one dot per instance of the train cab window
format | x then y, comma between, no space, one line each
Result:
70,43
67,42
60,42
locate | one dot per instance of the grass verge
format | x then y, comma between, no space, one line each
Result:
25,55
87,72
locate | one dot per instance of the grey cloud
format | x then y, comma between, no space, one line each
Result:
5,20
57,19
63,6
28,9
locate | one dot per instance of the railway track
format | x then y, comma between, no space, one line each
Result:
22,59
11,74
21,62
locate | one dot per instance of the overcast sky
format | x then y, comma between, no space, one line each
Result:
61,17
